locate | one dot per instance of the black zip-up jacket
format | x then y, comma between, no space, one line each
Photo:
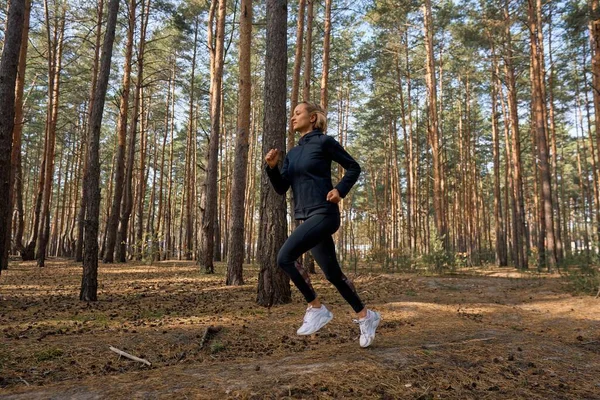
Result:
307,169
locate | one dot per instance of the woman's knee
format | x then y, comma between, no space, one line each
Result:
284,259
334,276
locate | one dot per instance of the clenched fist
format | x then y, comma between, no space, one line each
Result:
272,158
333,196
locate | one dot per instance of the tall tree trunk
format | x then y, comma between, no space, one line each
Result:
109,194
542,143
52,236
308,51
326,47
169,214
583,197
412,163
235,257
188,189
210,211
309,262
291,140
161,203
150,238
139,248
273,283
145,112
127,202
72,242
113,219
595,44
54,72
501,254
296,74
520,234
9,64
433,127
84,195
16,188
553,133
89,280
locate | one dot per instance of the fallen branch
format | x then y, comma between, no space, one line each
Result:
208,332
24,381
134,358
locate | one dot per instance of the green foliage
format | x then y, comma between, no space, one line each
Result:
148,247
438,259
217,347
49,354
584,279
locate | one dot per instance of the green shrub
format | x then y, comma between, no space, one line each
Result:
584,279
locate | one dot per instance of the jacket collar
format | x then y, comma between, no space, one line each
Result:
306,138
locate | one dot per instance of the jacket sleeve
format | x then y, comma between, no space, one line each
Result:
341,156
278,179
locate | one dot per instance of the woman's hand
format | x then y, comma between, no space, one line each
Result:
272,158
334,196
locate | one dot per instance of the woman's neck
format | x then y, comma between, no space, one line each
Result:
304,133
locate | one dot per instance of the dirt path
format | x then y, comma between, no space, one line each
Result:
493,335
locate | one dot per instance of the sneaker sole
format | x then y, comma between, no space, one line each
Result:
324,321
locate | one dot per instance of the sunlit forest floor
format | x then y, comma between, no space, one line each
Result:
477,334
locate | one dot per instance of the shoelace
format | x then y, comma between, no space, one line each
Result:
361,324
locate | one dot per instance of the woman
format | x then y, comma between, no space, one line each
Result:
307,169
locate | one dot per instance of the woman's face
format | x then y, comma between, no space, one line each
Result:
301,120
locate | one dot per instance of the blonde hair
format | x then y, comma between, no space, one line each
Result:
315,109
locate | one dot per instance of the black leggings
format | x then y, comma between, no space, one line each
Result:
314,234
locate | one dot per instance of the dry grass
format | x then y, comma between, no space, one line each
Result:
485,334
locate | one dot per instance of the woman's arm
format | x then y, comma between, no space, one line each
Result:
279,180
341,156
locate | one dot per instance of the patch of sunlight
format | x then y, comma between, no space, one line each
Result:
401,308
510,272
586,308
141,269
413,307
31,287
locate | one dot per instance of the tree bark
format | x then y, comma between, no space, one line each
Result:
113,219
84,195
433,127
210,211
54,72
553,133
296,74
520,234
235,257
188,189
273,283
326,47
308,51
501,253
595,44
16,188
9,64
161,203
542,143
127,202
89,280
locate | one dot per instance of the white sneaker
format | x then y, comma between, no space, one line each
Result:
368,325
314,319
